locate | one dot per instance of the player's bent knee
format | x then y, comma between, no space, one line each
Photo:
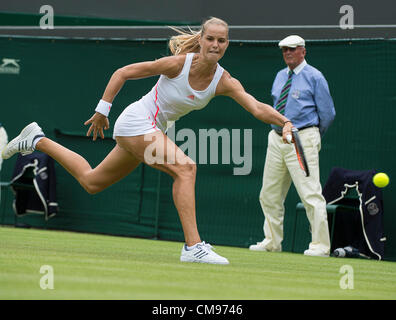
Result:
186,170
91,188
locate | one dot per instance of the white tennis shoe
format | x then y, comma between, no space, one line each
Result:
315,253
24,142
259,246
202,253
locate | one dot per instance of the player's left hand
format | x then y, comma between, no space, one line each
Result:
98,122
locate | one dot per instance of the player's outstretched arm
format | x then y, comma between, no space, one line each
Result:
231,87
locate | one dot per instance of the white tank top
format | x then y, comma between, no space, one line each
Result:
173,98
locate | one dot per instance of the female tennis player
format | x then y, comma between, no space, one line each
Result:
188,80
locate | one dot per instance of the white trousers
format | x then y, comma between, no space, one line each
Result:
3,143
280,169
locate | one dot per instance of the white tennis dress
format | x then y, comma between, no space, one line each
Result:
167,101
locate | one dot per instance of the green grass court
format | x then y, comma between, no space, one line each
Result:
89,266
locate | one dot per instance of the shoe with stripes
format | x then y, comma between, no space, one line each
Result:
202,253
24,142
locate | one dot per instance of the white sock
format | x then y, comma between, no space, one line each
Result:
35,141
192,247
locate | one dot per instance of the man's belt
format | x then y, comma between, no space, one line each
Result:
299,129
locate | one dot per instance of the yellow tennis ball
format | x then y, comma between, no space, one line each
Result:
381,180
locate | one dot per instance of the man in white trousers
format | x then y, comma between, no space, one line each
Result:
301,93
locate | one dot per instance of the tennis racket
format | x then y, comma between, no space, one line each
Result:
300,152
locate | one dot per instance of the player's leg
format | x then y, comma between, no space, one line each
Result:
113,168
117,164
160,152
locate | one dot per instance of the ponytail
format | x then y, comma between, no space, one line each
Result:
185,42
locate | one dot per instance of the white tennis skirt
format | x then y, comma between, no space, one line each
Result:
135,120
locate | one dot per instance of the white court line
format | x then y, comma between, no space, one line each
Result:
356,26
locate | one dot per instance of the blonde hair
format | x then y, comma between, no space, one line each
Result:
188,41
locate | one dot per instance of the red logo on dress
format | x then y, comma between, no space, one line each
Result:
191,97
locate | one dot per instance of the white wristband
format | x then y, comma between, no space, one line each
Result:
103,107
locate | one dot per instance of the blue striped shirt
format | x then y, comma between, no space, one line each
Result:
309,102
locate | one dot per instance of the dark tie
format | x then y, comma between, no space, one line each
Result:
280,107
